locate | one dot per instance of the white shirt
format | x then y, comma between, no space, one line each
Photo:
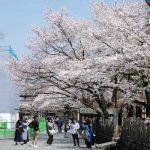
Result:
74,128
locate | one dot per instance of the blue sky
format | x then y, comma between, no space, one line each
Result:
17,17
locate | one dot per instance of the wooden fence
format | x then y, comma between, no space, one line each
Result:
7,129
135,135
104,130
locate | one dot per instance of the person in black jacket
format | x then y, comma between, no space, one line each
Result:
18,132
60,124
35,125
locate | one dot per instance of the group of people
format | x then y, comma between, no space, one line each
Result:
22,131
72,127
85,129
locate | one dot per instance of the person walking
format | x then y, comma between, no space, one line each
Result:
87,127
59,124
74,127
66,128
25,134
18,132
50,130
35,125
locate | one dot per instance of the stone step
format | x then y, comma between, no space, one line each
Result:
106,145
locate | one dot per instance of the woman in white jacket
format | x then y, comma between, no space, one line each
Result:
25,134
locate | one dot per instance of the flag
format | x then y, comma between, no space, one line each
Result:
12,53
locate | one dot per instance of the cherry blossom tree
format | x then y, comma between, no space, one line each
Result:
87,61
128,39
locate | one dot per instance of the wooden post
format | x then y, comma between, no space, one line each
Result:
134,112
78,115
116,127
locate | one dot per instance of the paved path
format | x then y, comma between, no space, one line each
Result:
59,143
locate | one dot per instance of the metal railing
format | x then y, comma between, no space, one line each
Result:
7,129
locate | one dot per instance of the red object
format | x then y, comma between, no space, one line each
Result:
148,2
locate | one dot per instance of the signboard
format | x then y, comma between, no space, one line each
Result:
148,2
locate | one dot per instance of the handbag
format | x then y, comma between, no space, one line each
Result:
52,132
83,135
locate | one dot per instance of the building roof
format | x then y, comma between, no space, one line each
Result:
87,111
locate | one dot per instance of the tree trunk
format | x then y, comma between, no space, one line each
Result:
103,106
114,97
98,134
104,110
